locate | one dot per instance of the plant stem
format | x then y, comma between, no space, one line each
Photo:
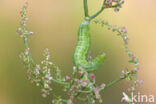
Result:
60,82
82,99
63,100
119,79
33,63
85,8
84,91
99,12
114,82
27,47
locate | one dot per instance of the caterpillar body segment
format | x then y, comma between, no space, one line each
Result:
82,48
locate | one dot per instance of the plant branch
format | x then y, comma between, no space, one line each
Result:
114,82
120,79
27,48
33,63
60,82
85,91
99,12
85,8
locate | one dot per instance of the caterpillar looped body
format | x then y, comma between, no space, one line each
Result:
82,48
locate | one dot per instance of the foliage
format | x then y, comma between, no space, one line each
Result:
81,84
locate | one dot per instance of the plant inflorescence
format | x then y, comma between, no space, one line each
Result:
81,85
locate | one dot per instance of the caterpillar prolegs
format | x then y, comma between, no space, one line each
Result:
82,48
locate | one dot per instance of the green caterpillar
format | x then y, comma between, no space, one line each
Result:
82,48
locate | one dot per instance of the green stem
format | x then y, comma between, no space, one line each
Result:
85,8
27,47
114,82
63,100
60,82
80,91
82,99
33,63
99,12
119,79
26,42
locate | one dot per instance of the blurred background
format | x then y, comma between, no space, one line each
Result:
55,24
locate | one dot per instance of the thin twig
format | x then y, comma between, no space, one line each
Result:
85,8
99,12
